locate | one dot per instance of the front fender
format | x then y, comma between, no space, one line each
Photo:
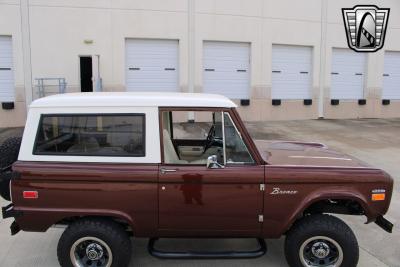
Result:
334,194
277,221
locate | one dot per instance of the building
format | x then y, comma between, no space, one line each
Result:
277,59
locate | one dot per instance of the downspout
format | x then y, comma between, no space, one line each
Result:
26,52
191,45
322,69
191,51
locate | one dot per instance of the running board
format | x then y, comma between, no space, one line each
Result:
207,254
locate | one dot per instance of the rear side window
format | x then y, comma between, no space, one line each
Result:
91,135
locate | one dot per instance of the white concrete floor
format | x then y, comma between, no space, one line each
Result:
375,141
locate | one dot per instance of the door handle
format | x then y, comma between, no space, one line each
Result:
164,171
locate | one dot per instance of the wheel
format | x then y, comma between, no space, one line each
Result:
94,242
9,151
321,240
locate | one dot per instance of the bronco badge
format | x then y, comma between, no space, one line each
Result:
278,191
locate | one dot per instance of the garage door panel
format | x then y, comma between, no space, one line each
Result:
144,59
5,62
347,74
152,65
288,80
149,79
154,86
7,93
226,69
291,72
391,79
149,71
216,83
226,63
391,93
226,74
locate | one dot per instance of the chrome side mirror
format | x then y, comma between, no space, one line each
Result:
212,162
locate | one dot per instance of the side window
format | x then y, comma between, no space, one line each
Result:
91,135
235,149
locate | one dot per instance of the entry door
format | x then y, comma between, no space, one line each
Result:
86,74
197,201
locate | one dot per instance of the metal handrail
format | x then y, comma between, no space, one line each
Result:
42,86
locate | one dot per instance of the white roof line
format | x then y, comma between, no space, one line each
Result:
133,99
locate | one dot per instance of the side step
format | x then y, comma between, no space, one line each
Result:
207,254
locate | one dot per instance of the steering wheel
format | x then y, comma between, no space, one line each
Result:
210,138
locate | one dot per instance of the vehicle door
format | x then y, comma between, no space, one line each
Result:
209,182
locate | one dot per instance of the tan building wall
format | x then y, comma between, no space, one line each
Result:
58,30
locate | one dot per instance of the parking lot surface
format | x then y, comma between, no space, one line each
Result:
375,141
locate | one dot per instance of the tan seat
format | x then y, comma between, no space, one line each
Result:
170,155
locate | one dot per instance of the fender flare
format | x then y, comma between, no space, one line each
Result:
334,194
55,215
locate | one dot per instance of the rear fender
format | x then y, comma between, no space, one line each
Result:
38,219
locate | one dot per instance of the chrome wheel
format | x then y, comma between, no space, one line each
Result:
90,251
321,251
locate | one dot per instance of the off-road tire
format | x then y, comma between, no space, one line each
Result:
321,225
108,231
9,151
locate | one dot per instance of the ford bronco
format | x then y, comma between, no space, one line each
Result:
111,166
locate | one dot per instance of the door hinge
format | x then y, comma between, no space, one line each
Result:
260,218
262,187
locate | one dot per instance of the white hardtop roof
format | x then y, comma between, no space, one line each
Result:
133,99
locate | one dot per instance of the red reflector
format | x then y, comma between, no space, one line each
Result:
30,194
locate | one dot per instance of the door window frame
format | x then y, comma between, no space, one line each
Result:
241,137
236,121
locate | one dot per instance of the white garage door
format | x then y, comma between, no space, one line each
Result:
291,72
226,69
151,65
391,76
6,70
347,74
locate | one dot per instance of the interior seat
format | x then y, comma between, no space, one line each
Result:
170,155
